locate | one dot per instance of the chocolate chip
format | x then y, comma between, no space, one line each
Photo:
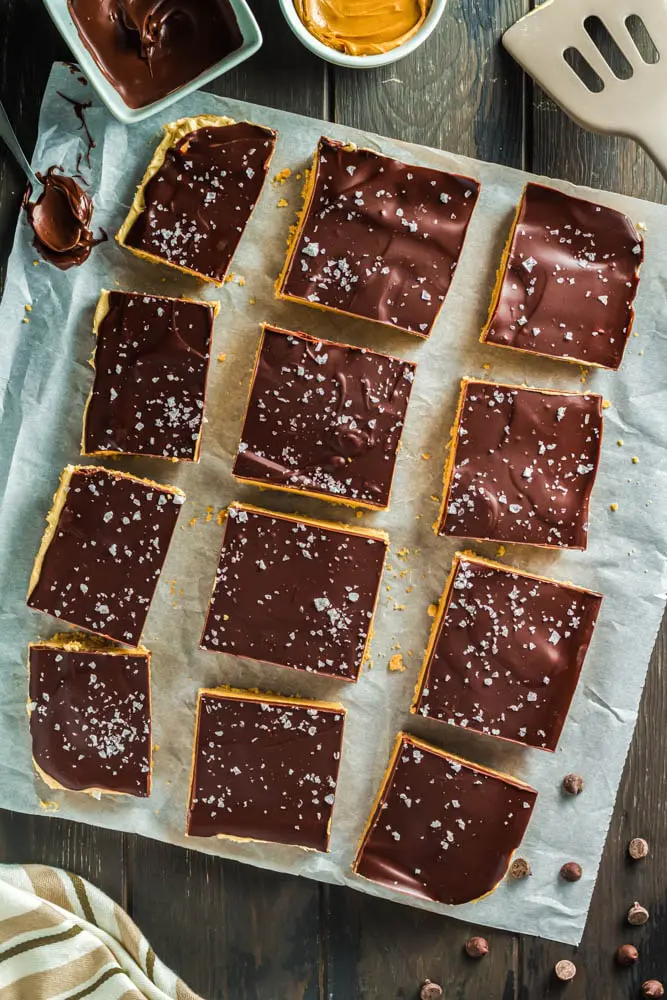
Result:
627,954
565,971
477,947
571,871
520,868
430,991
573,784
637,915
653,988
638,849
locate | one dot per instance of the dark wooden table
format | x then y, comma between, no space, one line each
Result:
233,931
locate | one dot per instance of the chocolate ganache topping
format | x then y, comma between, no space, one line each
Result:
324,418
151,362
379,239
570,280
102,553
148,48
297,593
523,466
90,717
61,220
443,828
195,206
265,768
507,653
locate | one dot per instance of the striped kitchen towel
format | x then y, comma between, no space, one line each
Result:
63,939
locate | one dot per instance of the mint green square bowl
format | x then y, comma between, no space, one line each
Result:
252,42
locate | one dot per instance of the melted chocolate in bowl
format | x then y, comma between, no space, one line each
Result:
149,48
61,220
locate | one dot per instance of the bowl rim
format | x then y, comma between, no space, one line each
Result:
111,98
362,62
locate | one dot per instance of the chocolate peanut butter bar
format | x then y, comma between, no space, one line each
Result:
506,652
90,716
104,546
522,465
265,768
442,828
151,362
324,419
568,280
198,194
377,238
294,591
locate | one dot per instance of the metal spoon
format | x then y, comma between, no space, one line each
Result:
9,135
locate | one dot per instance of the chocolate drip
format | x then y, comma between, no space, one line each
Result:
79,108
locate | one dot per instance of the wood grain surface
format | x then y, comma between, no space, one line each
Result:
232,931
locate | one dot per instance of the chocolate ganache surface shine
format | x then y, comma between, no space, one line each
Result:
148,48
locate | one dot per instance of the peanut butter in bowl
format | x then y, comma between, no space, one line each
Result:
363,27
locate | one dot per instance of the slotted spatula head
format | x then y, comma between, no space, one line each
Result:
565,46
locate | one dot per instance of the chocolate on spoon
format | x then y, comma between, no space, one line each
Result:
58,209
61,219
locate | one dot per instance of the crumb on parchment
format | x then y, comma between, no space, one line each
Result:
396,663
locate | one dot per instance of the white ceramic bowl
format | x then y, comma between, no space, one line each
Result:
362,62
252,41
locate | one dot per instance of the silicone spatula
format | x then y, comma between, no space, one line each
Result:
604,62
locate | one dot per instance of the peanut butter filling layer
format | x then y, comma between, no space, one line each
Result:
363,27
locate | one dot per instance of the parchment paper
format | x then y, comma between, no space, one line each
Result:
44,381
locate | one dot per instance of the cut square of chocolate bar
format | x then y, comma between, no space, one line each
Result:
104,546
151,362
198,194
90,716
521,466
296,592
567,281
324,419
442,828
265,768
506,651
378,238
